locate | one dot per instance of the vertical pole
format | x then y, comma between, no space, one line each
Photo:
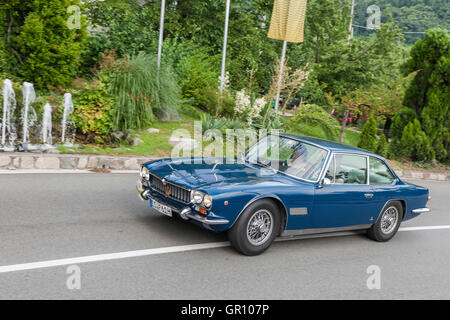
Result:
280,76
161,32
224,50
350,28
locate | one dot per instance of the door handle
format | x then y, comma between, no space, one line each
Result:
368,195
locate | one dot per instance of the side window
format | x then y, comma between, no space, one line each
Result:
350,169
331,170
379,172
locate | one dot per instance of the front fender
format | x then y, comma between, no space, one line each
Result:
237,203
229,206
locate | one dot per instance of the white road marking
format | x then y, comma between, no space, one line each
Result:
424,228
111,256
155,251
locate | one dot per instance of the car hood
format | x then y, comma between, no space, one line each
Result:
194,173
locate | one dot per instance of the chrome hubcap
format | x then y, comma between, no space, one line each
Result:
389,220
259,227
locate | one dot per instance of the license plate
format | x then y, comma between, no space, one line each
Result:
161,208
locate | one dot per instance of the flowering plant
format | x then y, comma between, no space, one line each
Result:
247,107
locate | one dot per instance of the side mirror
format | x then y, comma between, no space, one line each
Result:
326,182
241,156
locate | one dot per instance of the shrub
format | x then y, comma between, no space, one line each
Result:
47,51
368,139
429,92
400,120
93,114
413,144
382,148
122,26
314,115
141,92
416,145
199,81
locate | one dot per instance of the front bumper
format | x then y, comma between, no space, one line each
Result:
185,211
421,210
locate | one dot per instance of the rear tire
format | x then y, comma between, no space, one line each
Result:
388,222
256,228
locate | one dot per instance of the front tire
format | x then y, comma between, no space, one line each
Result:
256,228
388,223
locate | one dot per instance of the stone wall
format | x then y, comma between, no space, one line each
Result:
12,161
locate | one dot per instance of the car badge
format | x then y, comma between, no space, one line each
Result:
167,191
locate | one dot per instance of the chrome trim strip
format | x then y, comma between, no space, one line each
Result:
298,211
421,210
293,233
196,217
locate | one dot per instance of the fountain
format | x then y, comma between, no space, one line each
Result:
67,121
46,132
29,120
29,116
8,125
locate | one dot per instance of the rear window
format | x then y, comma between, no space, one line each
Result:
380,173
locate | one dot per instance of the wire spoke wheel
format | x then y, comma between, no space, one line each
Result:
389,220
259,227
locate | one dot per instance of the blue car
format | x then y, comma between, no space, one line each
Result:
284,185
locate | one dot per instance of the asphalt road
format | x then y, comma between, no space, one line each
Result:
46,217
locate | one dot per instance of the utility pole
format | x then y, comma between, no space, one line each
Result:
280,76
350,28
224,50
161,32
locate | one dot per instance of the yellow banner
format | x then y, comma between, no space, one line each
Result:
288,20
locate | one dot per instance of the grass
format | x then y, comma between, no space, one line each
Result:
154,144
157,144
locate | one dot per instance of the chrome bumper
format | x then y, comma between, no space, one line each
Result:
421,210
187,213
143,194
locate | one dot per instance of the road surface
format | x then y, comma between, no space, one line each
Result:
114,247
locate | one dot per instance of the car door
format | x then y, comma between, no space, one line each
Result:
383,184
348,200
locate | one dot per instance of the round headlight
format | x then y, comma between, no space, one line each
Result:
207,201
145,173
197,196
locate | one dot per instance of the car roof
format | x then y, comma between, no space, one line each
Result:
330,145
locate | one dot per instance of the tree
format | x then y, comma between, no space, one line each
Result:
341,66
382,148
401,119
429,92
368,139
314,115
46,50
415,144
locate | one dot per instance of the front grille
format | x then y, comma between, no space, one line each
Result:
175,192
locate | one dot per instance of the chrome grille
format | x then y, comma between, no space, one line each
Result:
175,192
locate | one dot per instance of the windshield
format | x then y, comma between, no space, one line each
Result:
289,156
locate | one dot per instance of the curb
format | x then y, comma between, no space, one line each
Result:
420,175
15,161
38,161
